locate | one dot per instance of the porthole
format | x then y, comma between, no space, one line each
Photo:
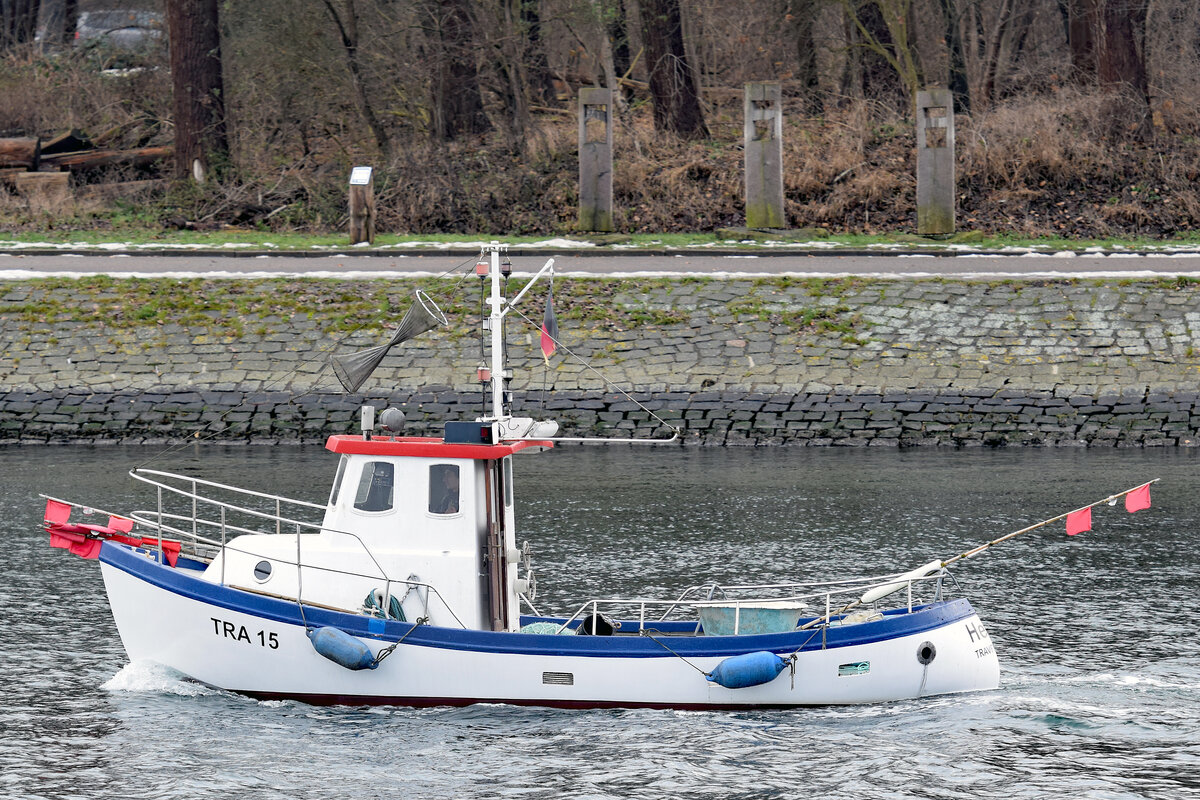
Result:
926,653
262,571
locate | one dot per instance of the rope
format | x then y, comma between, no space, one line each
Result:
792,659
803,645
650,636
387,651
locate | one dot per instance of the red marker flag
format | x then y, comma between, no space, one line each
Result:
1079,521
549,328
1138,499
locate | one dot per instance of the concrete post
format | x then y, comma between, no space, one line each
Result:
935,162
595,160
763,134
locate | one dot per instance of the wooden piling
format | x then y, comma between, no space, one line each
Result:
763,135
935,162
595,160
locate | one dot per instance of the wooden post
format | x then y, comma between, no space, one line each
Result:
595,160
763,135
362,205
935,162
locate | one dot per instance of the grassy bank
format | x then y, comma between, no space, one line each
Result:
145,238
223,308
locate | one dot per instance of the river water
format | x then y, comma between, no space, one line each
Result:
1100,670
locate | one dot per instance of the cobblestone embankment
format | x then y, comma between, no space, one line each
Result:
851,362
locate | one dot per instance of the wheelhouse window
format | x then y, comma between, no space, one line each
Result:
337,481
443,489
375,487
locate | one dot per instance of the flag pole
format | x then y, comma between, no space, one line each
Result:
896,584
976,550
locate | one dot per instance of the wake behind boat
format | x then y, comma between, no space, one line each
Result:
407,585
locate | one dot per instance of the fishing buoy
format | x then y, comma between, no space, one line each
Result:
342,648
750,669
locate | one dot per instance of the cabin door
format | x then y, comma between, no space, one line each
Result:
495,555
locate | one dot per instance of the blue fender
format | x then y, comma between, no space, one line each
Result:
342,648
748,669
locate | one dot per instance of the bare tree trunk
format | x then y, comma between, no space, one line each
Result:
1082,20
1121,39
615,49
1121,66
611,81
883,29
960,86
541,84
673,84
991,54
201,141
801,15
508,48
457,107
18,22
70,21
618,36
347,25
1023,16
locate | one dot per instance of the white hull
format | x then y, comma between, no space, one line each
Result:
257,655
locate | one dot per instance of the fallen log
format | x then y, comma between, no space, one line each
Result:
97,159
23,151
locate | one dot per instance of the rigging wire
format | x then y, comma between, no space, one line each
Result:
387,651
649,635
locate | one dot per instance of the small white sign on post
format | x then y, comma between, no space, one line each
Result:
362,206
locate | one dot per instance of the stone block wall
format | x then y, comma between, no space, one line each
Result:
853,362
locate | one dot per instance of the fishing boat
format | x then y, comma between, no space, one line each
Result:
407,585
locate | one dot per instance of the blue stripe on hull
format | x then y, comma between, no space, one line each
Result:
186,583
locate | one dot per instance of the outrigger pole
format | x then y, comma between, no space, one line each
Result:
901,581
1110,500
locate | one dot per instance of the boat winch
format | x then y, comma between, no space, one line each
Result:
748,669
342,648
